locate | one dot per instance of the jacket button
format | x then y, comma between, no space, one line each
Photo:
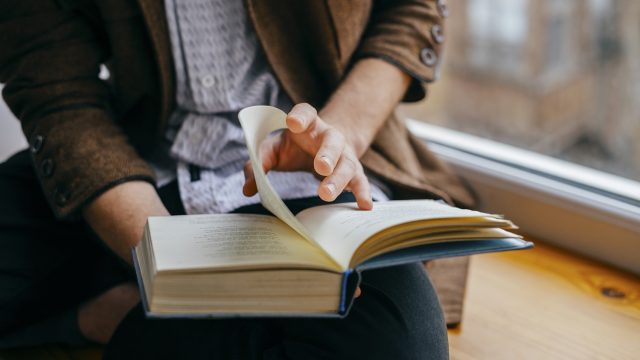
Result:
437,34
208,81
47,167
428,57
36,144
443,9
61,196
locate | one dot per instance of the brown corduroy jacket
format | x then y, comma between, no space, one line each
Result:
87,135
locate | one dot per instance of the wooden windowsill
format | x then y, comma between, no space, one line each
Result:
546,303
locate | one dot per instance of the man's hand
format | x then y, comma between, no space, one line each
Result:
311,144
331,146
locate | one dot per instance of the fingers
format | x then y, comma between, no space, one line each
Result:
332,146
357,293
301,118
325,143
361,190
249,188
335,183
276,153
309,144
268,154
348,172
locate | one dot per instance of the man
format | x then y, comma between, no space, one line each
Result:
159,137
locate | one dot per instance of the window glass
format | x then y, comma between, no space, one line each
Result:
497,28
559,77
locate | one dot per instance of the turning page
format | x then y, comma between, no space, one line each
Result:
257,123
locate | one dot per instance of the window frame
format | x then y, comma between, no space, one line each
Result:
585,210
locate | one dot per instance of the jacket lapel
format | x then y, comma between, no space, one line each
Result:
288,45
155,19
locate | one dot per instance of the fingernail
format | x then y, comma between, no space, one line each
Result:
326,160
331,188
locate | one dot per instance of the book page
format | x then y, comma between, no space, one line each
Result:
341,228
225,241
257,123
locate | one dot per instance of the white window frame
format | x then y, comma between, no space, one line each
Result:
574,207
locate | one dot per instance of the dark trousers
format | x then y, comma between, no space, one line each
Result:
49,267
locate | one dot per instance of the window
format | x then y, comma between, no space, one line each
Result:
497,32
558,45
557,77
538,107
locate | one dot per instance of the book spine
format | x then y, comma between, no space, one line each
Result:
344,295
143,293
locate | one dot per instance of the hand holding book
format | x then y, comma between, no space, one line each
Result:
302,265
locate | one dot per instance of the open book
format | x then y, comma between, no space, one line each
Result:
286,265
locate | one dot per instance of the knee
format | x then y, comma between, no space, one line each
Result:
418,333
404,315
405,341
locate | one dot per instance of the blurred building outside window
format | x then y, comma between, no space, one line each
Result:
497,30
558,77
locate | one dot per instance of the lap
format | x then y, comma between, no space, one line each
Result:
397,316
46,265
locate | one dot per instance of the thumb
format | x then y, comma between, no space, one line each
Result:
267,152
250,187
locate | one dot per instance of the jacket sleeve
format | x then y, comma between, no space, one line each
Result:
408,34
49,62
